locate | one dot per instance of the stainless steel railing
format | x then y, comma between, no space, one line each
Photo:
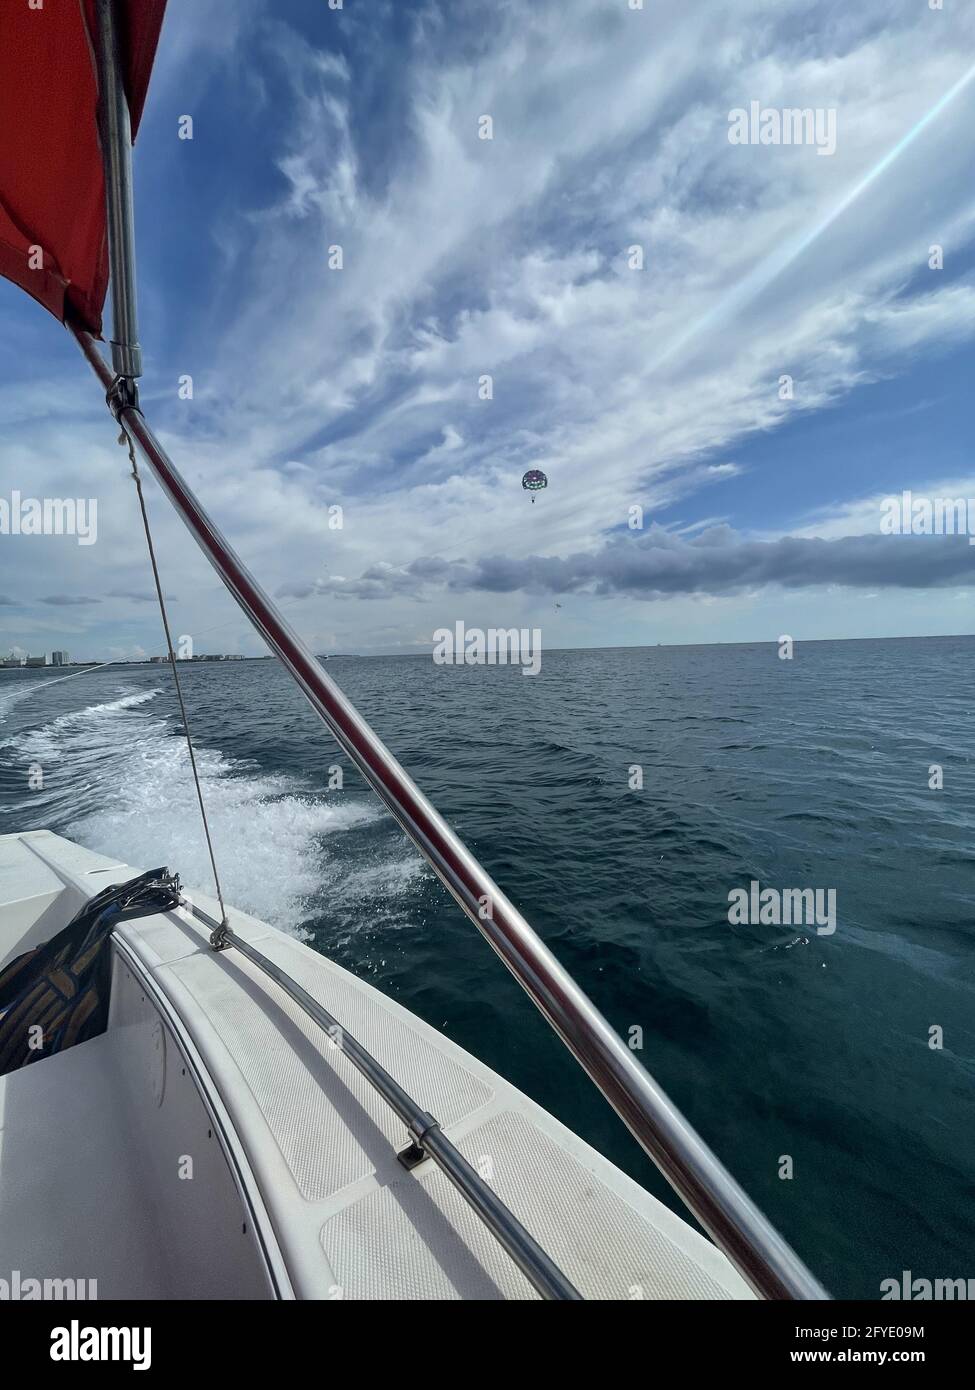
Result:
749,1240
427,1138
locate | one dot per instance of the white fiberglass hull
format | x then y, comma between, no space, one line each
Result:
214,1143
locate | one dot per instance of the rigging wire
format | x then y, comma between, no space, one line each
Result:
218,936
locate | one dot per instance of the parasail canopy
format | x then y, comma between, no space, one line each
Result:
52,192
534,480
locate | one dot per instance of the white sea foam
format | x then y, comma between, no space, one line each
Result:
377,890
117,778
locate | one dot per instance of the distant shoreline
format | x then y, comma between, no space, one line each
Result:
421,652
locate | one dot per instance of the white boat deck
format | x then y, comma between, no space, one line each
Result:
296,1191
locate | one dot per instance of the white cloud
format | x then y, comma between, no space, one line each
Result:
508,257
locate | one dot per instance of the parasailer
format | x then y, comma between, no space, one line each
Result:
533,481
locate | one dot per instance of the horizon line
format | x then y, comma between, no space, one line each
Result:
605,647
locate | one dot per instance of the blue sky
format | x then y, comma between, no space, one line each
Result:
315,388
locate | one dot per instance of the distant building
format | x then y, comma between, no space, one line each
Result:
59,658
36,661
12,660
203,656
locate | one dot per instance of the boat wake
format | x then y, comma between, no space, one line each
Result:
116,778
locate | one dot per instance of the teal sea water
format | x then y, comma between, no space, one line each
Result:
774,1040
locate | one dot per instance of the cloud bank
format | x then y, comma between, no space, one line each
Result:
717,562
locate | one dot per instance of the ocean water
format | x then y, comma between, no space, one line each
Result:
775,1040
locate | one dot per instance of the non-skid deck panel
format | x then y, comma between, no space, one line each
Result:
382,1233
330,1125
389,1234
421,1239
163,938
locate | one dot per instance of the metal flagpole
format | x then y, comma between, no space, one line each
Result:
116,137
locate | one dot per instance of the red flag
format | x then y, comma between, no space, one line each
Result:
52,191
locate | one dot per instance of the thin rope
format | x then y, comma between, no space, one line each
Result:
126,438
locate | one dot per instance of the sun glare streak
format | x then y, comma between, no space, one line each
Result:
774,265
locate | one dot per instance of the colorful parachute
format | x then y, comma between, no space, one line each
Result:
533,481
